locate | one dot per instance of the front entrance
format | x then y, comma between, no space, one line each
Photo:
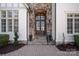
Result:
40,24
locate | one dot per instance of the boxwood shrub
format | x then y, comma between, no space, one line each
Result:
4,39
16,39
76,39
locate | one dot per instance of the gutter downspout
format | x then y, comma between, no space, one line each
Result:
55,23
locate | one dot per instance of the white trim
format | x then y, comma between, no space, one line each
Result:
28,24
6,22
73,26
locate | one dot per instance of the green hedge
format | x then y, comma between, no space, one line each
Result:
4,39
76,39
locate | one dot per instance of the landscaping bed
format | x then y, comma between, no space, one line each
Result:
67,47
10,48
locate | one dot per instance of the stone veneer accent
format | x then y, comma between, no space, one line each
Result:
32,9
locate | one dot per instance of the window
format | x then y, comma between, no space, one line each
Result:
3,23
15,25
3,20
76,15
3,4
42,17
40,22
73,23
70,25
37,17
9,4
10,25
69,15
15,14
9,12
9,20
15,20
37,25
15,5
76,25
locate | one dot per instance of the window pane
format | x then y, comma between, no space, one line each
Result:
9,24
15,25
9,4
3,4
15,13
69,25
76,25
3,13
15,5
3,25
69,15
76,15
42,17
37,17
37,25
9,12
42,25
10,17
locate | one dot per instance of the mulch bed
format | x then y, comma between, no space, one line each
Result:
10,48
67,47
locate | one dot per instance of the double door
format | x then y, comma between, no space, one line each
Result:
40,24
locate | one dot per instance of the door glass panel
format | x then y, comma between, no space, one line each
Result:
42,17
38,18
42,25
37,25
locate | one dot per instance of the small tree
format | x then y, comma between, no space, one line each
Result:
16,38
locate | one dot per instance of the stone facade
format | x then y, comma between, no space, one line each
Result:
36,7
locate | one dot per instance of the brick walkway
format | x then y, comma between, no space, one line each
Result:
40,50
38,40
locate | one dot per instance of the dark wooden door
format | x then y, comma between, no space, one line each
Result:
40,25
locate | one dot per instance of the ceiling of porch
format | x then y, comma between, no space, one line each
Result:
38,8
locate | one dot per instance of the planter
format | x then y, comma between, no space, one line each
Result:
49,38
30,37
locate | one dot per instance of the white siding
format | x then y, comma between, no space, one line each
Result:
61,21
